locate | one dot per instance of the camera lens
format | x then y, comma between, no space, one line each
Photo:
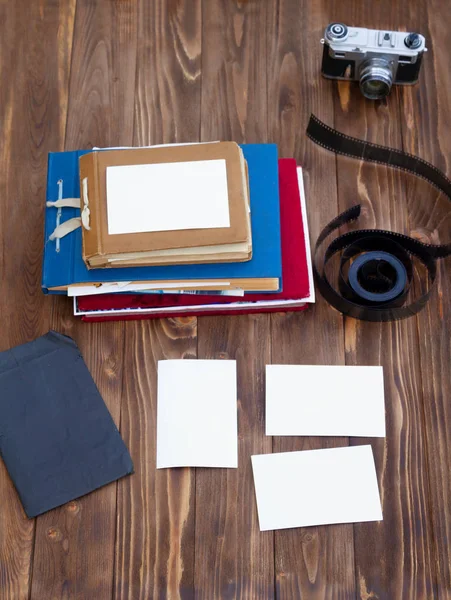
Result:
337,32
376,78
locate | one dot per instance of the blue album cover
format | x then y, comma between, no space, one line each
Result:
66,267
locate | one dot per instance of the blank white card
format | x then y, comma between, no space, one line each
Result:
325,400
197,414
167,197
316,487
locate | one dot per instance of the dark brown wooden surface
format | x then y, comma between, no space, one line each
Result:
79,73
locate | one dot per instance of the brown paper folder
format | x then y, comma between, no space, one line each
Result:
101,249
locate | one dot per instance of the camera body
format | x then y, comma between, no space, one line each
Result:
375,58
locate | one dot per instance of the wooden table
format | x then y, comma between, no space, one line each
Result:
75,74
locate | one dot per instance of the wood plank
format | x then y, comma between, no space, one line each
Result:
392,558
168,77
33,107
74,551
102,86
234,78
399,556
425,114
313,562
155,526
74,548
233,559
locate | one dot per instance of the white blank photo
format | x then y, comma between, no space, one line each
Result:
325,400
197,414
167,197
316,487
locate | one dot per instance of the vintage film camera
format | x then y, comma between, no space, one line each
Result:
376,59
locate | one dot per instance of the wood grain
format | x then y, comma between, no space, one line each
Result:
102,86
234,102
155,524
233,559
33,116
155,527
74,549
392,558
168,78
33,108
85,73
425,115
307,560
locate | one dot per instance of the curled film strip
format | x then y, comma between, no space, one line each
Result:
376,266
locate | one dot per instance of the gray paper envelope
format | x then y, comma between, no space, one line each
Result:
57,438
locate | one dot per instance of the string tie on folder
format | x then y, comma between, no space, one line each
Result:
65,203
64,228
71,225
376,267
68,226
85,213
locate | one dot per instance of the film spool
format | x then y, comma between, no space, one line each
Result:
371,267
